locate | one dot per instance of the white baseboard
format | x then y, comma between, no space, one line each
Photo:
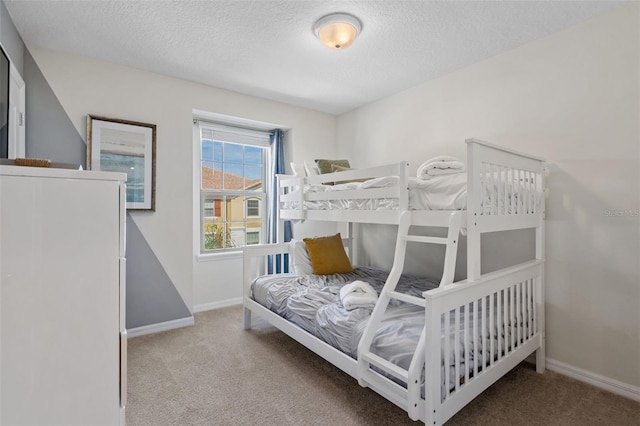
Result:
161,326
217,305
611,385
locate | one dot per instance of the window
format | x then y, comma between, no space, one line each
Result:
233,165
253,207
208,208
253,238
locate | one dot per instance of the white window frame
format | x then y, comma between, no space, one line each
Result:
230,134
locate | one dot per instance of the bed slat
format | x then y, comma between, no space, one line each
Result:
456,354
385,365
446,354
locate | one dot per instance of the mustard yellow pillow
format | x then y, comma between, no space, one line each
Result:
327,255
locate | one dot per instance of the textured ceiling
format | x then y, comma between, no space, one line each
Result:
267,48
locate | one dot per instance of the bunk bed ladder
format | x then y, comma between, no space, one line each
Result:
411,399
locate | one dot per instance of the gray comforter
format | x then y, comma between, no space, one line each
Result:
313,303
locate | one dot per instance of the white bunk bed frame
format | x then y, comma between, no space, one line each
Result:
513,296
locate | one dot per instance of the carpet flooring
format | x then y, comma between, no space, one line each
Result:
216,373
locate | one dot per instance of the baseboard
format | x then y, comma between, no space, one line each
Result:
217,305
611,385
161,326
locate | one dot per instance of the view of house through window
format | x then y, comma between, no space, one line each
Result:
233,163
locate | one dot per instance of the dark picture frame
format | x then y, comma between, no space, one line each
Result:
125,146
5,71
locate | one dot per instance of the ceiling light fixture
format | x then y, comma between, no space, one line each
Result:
338,30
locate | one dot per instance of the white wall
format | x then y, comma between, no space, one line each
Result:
87,86
574,99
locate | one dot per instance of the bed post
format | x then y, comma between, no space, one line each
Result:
403,201
280,226
351,245
246,323
279,222
247,267
473,210
432,360
540,253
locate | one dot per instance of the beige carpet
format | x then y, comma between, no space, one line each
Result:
215,373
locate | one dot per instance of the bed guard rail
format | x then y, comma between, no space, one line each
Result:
256,259
293,191
499,316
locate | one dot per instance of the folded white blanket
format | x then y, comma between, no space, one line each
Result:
438,166
358,294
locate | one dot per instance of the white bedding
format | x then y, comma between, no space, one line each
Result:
446,192
439,193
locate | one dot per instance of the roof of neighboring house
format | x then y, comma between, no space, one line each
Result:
212,179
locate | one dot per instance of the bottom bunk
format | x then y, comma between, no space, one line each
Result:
430,360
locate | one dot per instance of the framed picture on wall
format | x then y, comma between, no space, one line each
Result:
125,146
5,65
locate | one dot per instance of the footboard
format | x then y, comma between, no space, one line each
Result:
499,318
256,260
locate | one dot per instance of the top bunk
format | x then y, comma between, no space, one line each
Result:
498,189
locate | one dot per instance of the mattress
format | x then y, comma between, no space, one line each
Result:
446,192
313,303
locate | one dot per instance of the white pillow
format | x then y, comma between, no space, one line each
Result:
312,168
300,260
297,169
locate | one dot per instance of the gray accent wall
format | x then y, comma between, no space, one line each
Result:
151,296
50,134
10,38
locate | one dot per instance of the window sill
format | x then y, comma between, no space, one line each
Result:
211,257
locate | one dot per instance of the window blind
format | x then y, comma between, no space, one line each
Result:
220,132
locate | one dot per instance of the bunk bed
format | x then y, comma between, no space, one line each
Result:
466,334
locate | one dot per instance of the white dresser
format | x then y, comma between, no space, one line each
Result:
62,286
